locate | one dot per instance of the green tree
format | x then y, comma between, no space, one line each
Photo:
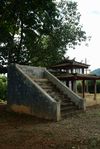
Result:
38,32
91,86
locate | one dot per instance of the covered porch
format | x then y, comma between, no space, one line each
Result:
71,82
71,71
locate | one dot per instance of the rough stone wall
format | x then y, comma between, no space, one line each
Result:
23,96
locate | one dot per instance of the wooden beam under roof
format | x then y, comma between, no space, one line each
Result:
77,77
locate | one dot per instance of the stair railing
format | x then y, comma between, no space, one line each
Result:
79,101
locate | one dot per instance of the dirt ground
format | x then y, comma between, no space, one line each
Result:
20,131
90,101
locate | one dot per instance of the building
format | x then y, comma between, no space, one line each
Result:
70,71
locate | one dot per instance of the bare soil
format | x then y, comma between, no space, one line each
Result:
90,101
20,131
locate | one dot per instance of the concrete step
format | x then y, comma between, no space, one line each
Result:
67,107
41,80
63,104
48,88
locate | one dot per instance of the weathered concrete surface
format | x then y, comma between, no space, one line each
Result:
24,95
21,108
79,101
36,72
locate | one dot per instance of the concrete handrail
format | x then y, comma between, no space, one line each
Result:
80,102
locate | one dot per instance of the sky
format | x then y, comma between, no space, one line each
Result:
90,19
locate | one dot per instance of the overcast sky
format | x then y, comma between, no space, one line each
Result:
90,11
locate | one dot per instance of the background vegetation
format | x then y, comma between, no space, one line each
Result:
3,87
90,84
38,32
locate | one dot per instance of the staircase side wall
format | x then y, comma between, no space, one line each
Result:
80,102
25,97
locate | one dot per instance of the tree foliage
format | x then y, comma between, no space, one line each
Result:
3,88
91,86
38,31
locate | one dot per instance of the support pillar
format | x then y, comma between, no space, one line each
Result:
83,86
75,86
82,70
87,87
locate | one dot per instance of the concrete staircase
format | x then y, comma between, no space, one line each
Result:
67,108
35,91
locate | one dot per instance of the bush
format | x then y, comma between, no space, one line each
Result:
98,86
3,87
79,87
91,86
